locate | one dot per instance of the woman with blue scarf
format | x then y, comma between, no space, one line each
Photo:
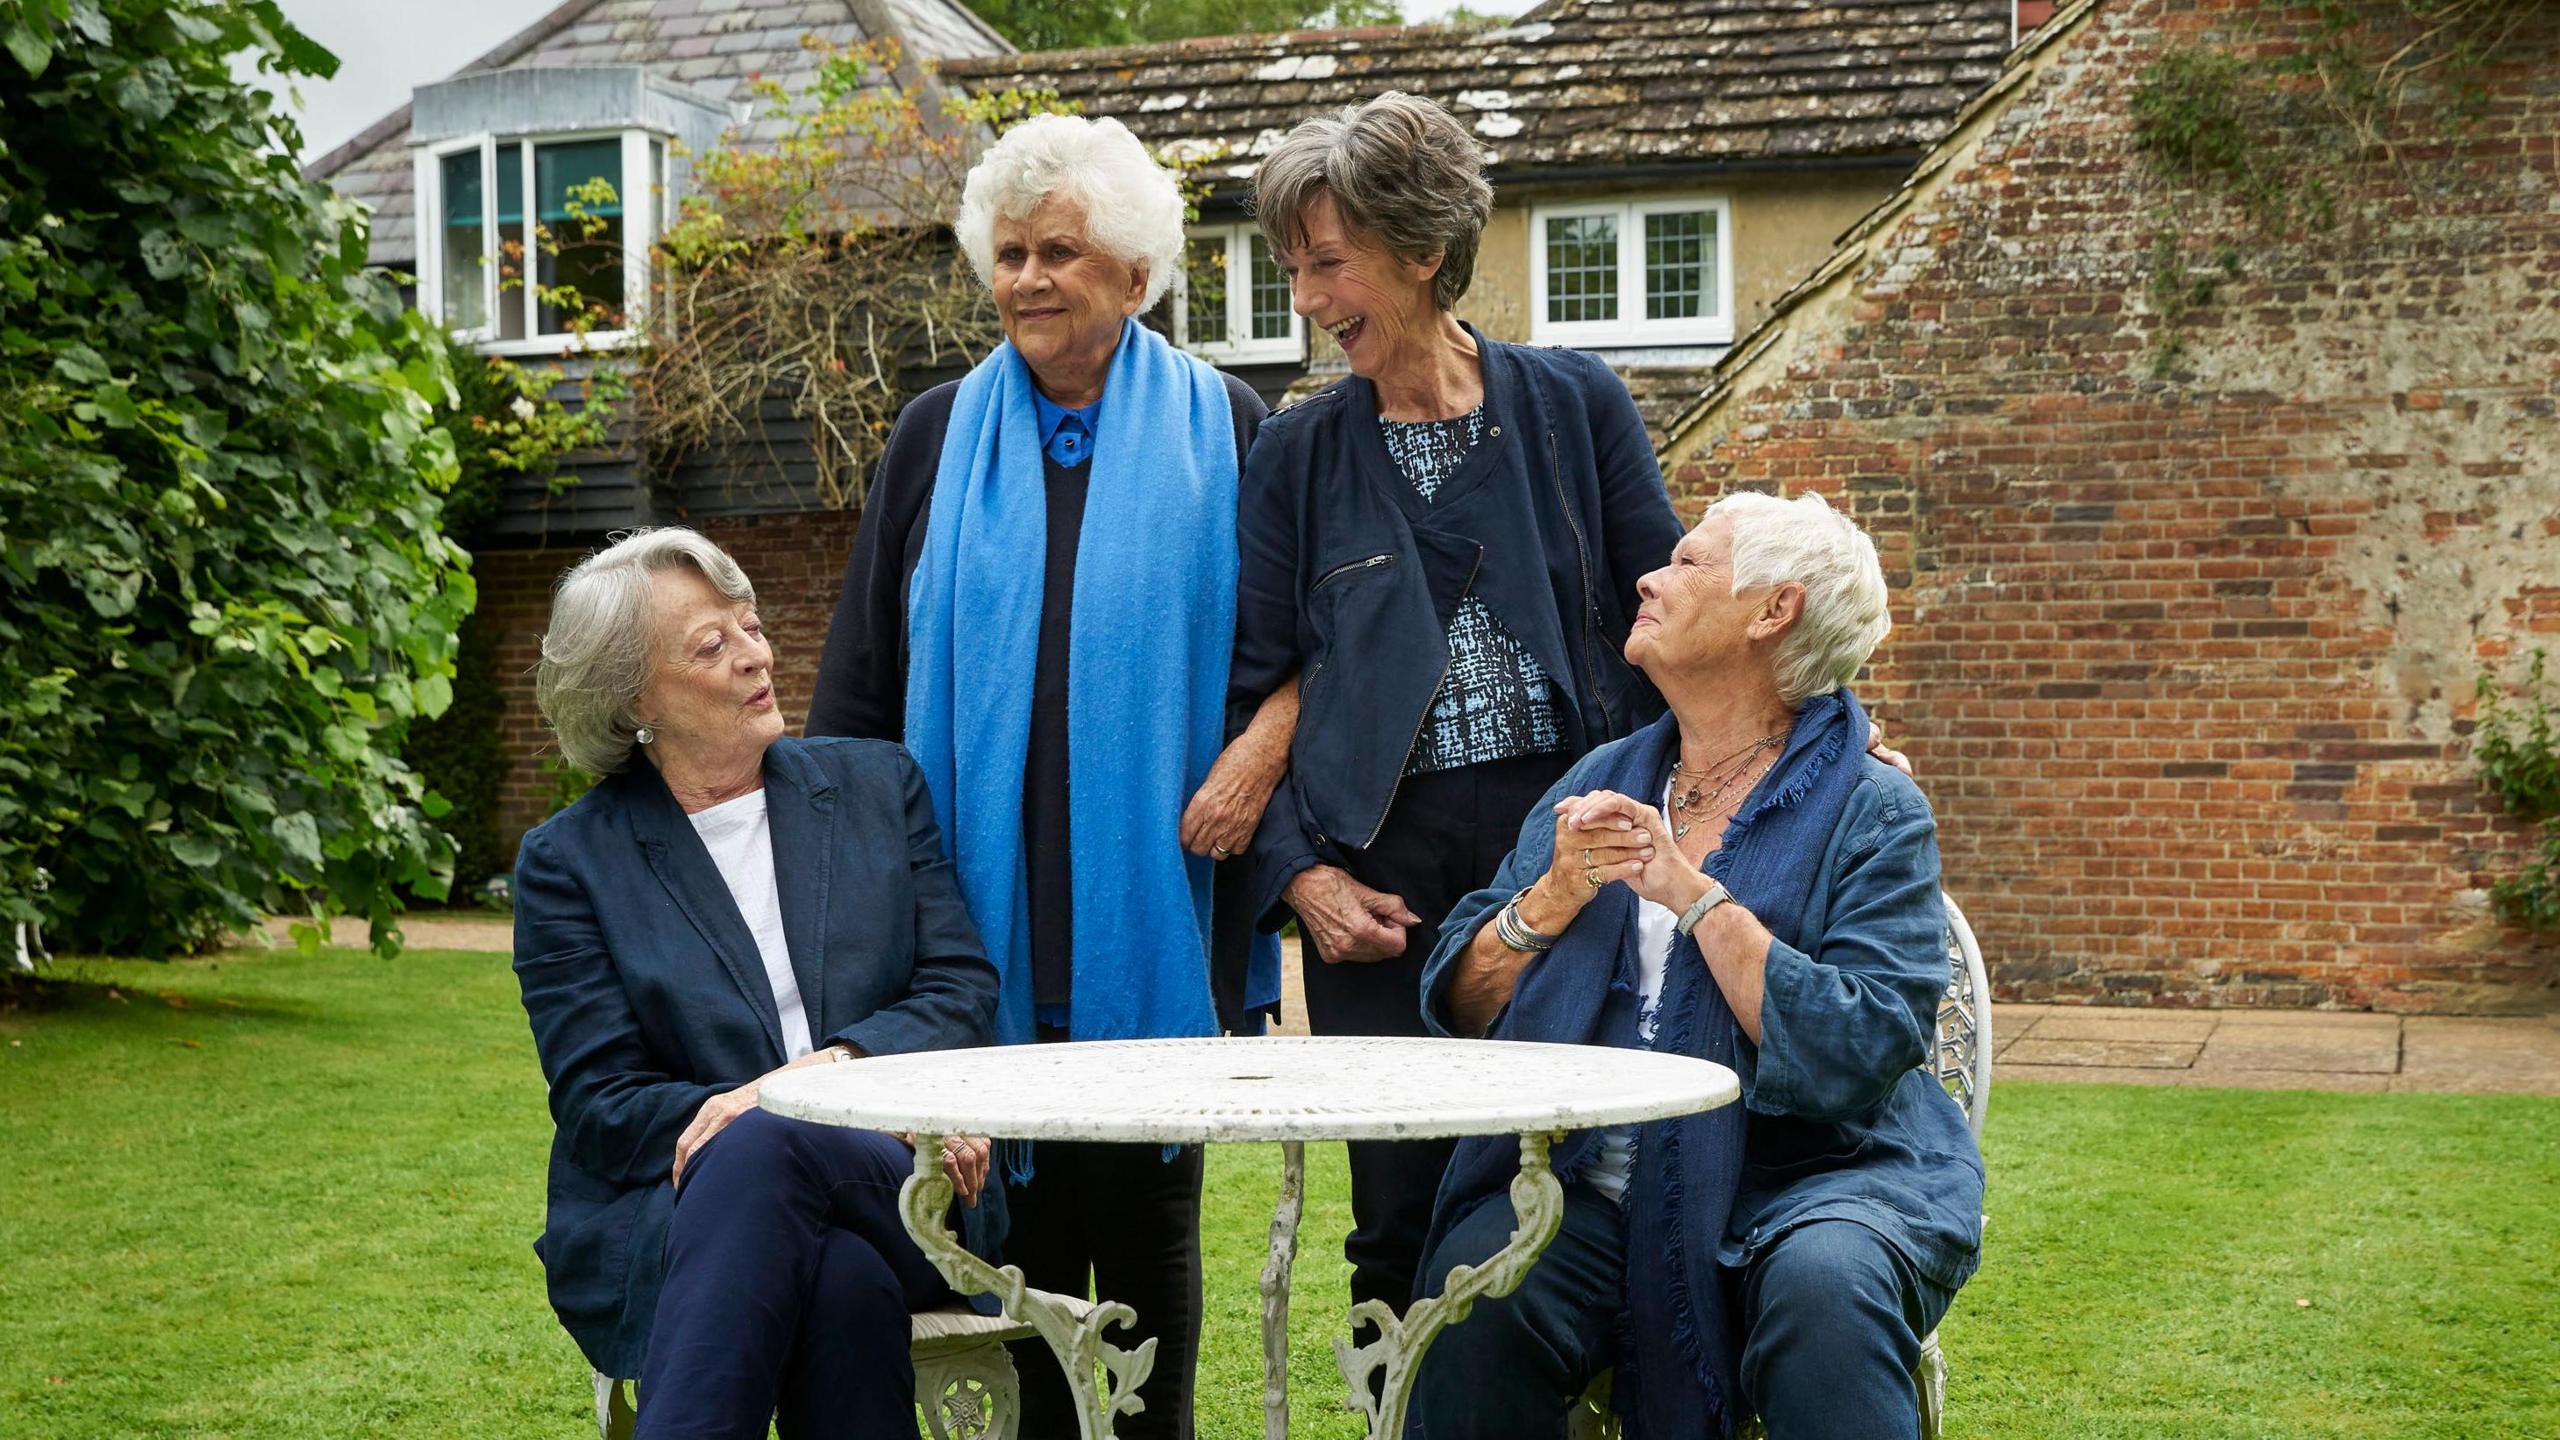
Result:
1739,883
1040,605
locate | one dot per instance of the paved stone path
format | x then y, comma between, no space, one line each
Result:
2276,1049
2251,1049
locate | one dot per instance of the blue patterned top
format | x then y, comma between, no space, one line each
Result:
1496,702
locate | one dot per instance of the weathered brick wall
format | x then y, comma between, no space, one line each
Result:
2186,662
796,562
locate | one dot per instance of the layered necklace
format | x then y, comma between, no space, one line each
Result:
1706,787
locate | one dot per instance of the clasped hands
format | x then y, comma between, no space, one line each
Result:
964,1157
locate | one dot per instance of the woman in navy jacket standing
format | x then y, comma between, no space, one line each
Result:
748,1269
1444,548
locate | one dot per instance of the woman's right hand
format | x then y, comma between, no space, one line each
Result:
728,1105
1595,844
1346,921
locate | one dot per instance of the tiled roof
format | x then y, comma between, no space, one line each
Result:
1574,83
1660,394
711,47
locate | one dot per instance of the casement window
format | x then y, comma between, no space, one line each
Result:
1231,304
512,227
1632,273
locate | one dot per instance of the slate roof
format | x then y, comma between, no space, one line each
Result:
711,47
1739,84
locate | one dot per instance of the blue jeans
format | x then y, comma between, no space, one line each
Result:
1831,1318
790,1280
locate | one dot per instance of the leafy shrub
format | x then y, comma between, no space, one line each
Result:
2520,763
225,592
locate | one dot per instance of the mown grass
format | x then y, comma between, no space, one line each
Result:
275,1196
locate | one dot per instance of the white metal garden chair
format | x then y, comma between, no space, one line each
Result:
965,1381
1962,1063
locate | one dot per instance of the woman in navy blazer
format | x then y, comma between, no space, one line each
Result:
727,903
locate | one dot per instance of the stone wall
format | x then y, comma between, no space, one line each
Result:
2190,608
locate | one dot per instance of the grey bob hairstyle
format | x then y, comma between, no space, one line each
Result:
1399,169
597,653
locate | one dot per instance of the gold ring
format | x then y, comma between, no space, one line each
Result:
1586,857
1591,877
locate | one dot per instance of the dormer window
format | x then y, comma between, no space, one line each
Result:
596,203
533,240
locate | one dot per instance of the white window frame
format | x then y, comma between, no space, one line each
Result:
1243,350
641,206
1631,328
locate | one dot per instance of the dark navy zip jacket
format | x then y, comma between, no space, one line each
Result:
1348,579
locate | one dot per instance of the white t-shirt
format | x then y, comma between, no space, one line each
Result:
741,844
1655,929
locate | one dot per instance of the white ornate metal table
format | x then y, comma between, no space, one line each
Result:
1289,1090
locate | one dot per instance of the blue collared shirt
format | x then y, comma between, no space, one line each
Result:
1066,436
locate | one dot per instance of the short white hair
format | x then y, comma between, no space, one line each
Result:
597,653
1806,542
1132,207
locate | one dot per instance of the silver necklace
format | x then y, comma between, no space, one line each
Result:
1689,809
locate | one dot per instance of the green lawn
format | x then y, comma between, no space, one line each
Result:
270,1196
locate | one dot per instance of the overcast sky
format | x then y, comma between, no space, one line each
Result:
386,50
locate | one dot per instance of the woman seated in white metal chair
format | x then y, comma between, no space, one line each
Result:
1738,883
728,903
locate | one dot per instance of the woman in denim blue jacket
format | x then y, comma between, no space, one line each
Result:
1739,883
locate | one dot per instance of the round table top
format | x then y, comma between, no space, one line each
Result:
1274,1088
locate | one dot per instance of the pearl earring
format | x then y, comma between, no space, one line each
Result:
645,735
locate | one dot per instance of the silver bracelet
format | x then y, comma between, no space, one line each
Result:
1715,896
1515,933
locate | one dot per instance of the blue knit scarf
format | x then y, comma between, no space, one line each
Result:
1677,1350
1154,615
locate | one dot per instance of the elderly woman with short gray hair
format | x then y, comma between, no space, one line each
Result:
1040,605
1446,544
1739,884
749,1270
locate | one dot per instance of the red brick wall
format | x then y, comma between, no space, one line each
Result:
2186,663
795,561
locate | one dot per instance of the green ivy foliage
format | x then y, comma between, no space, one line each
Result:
224,589
2519,760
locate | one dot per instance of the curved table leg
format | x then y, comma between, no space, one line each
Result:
1537,1205
1072,1331
1275,1290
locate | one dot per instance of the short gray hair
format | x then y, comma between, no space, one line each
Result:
597,653
1132,207
1806,542
1399,168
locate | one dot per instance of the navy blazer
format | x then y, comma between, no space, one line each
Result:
647,995
1348,579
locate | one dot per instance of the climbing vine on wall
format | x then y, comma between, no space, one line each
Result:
2272,128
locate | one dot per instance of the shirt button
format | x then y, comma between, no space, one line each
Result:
1497,432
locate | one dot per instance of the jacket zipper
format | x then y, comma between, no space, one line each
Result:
1338,571
1425,717
1582,557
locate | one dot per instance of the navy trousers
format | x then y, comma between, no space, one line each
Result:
1447,833
790,1280
1832,1318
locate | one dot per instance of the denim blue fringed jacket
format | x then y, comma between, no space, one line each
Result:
1840,1123
648,996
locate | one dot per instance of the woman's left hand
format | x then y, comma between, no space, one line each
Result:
1221,818
1645,856
1884,752
964,1159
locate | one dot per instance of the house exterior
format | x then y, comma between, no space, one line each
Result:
2195,577
606,88
1663,170
1666,169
